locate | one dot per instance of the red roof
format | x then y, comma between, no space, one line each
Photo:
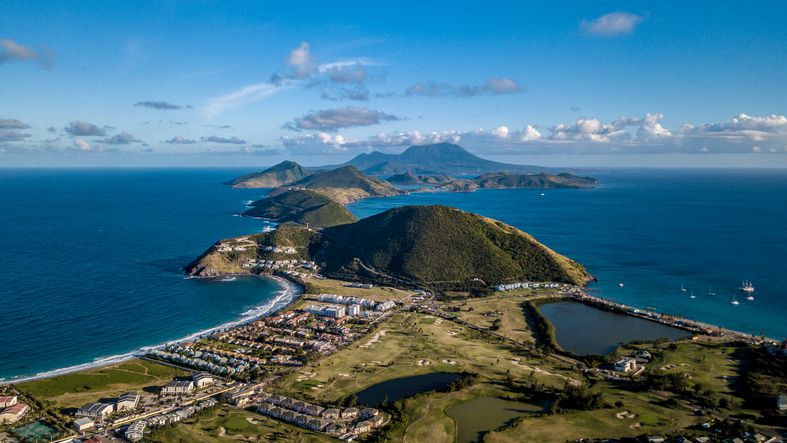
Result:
15,409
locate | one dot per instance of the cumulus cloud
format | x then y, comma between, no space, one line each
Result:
10,50
329,120
179,140
300,61
344,72
154,104
12,123
495,86
84,129
741,134
224,140
612,24
82,145
124,138
12,135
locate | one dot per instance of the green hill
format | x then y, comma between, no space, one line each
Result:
282,174
505,180
301,206
344,185
439,245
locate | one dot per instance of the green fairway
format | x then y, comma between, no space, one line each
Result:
75,389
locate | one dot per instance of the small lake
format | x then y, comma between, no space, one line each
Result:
585,330
404,387
485,414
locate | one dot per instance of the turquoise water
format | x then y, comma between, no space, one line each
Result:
653,230
90,262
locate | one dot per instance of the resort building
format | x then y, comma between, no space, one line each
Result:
83,424
202,379
96,411
127,402
390,304
332,311
178,387
625,364
353,309
7,400
12,414
781,403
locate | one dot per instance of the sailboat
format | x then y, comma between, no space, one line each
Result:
710,291
682,288
734,301
692,295
747,286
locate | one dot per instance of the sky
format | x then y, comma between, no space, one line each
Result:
241,83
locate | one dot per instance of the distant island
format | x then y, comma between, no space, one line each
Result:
411,245
439,158
303,206
282,174
315,197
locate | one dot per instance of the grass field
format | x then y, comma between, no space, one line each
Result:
714,366
411,344
649,417
221,425
75,389
506,307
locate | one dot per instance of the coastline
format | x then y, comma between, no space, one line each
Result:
288,293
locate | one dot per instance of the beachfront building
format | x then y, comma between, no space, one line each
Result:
14,413
626,364
83,424
781,403
332,311
96,411
7,400
178,387
202,379
127,402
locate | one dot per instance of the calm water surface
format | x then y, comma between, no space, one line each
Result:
585,330
398,388
483,414
654,230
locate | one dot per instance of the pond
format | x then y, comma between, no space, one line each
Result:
585,330
398,388
482,414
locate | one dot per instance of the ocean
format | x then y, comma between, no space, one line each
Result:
90,259
91,262
654,230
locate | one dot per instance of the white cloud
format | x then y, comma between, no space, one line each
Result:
82,145
494,86
612,24
179,140
243,96
329,120
300,60
11,50
646,134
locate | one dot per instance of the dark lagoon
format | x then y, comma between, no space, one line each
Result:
398,388
483,414
585,330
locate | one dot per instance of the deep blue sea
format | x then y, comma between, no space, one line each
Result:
90,260
655,230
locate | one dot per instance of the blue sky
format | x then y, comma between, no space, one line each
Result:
176,83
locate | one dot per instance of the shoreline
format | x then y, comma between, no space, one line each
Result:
289,292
